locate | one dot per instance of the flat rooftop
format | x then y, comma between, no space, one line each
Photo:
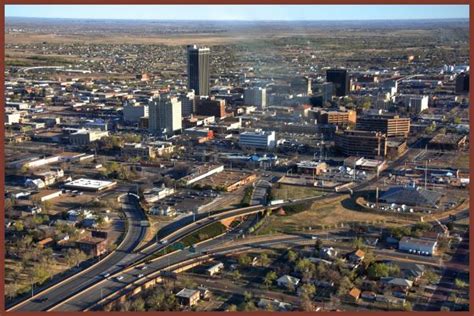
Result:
90,184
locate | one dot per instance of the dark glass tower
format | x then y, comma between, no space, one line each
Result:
198,69
340,79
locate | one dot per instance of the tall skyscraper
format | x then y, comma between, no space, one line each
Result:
256,96
164,115
340,79
462,83
198,69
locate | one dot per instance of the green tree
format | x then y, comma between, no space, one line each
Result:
344,286
138,305
232,308
264,260
291,256
74,257
307,290
357,243
236,275
460,284
270,277
378,270
245,260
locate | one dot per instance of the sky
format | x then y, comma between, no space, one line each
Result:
240,12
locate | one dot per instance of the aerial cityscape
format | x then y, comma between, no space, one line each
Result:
236,164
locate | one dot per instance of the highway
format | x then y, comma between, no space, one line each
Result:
112,263
172,233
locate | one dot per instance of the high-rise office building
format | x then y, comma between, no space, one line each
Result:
256,96
361,143
164,115
198,69
390,125
211,106
462,83
340,79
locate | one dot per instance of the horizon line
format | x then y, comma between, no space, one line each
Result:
236,20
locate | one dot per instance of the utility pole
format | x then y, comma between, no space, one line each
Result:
377,197
426,172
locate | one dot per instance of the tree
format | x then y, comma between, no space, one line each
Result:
291,256
306,304
407,306
460,284
74,257
431,277
307,290
306,268
138,305
236,275
232,308
318,245
270,277
357,243
247,296
369,258
344,286
378,270
244,260
264,260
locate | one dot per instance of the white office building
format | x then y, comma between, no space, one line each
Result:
258,139
256,96
164,115
418,104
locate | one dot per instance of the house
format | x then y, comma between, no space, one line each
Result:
35,184
204,292
328,253
368,295
89,221
188,297
162,210
411,271
47,242
215,269
398,286
91,245
352,296
287,281
46,195
274,305
356,256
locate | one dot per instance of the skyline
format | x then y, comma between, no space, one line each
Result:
242,12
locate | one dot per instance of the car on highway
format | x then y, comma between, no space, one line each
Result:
140,275
164,242
119,278
105,275
143,268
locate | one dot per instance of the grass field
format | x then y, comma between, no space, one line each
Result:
285,192
326,214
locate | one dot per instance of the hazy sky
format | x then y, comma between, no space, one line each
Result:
241,12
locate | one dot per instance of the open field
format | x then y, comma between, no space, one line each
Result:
325,215
285,192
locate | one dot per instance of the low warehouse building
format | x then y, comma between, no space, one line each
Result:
90,184
415,244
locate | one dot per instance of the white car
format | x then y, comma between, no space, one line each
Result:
106,275
140,275
119,278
